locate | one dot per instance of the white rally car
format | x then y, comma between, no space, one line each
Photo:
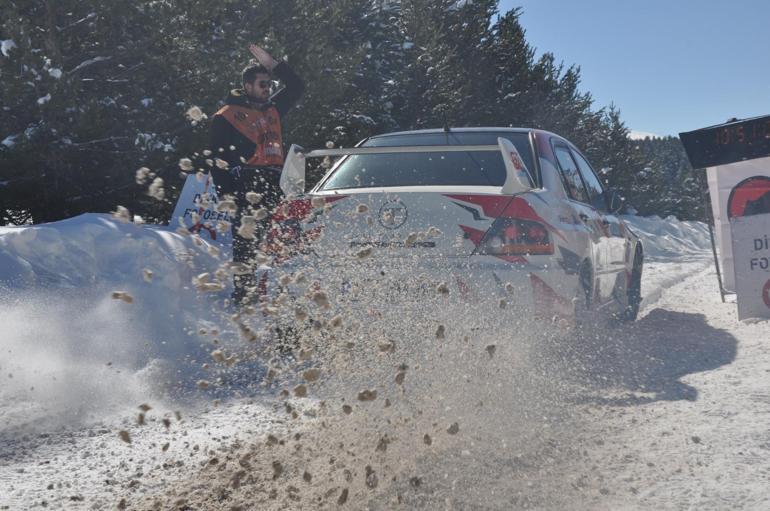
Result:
490,216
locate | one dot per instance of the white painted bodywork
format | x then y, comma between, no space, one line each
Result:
433,234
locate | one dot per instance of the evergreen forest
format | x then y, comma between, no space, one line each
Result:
93,91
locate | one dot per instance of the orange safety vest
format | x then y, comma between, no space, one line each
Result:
263,127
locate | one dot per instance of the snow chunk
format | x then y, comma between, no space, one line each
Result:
45,99
156,190
195,114
6,46
55,72
142,175
186,164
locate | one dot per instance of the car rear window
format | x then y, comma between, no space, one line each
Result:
472,168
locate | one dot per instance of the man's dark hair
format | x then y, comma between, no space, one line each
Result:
251,71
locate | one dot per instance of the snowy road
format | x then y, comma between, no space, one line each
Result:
685,426
668,413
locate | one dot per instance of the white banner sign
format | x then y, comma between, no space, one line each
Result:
196,211
751,249
737,189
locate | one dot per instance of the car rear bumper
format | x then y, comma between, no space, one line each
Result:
472,287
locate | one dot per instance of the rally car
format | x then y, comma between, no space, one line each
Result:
486,215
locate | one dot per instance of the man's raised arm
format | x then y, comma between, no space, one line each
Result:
288,96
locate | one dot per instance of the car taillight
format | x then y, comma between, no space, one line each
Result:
512,236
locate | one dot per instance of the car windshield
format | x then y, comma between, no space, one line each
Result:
472,168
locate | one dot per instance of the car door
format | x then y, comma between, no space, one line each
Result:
590,218
611,225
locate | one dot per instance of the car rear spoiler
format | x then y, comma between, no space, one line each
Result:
518,178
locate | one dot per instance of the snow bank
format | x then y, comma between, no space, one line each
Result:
64,335
670,238
99,249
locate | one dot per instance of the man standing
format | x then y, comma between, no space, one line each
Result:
246,133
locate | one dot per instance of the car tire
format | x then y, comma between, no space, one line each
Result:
634,290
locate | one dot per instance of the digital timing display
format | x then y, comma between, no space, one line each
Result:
728,143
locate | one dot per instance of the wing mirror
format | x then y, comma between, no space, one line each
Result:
614,201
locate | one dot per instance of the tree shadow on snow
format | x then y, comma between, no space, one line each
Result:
644,361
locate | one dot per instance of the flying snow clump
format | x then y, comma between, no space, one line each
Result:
142,175
248,227
364,253
253,197
123,296
320,298
195,114
156,190
229,207
186,164
122,214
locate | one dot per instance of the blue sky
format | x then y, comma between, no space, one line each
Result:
669,65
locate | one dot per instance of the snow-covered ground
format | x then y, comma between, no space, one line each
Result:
668,413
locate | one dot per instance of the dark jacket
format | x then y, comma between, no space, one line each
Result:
235,145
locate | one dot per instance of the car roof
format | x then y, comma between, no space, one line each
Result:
464,130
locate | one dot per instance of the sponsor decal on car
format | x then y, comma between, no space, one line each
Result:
393,214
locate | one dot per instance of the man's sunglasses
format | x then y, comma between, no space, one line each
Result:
264,84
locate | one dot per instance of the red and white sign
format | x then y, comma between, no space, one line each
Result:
740,189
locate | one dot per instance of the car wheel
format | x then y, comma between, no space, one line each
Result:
634,290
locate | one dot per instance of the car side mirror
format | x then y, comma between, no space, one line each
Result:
614,201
